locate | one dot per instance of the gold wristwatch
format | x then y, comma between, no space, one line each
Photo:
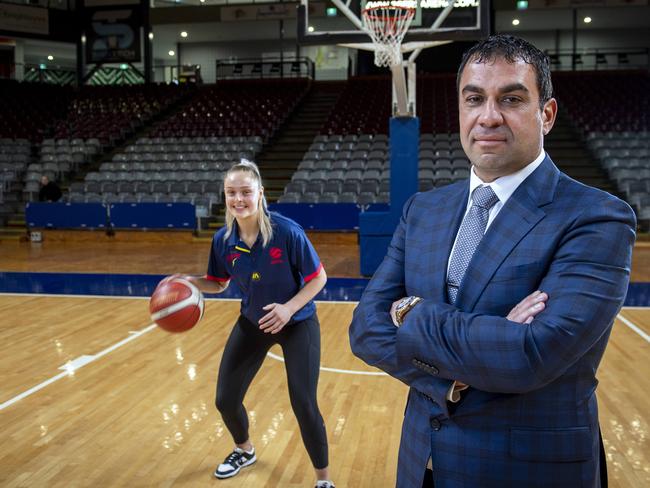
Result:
405,307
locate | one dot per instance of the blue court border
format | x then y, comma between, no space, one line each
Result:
142,285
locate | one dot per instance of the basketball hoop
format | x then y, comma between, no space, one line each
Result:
387,25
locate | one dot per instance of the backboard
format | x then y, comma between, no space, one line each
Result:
322,22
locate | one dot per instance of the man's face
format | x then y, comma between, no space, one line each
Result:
501,124
44,180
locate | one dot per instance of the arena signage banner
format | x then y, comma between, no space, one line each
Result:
18,18
113,34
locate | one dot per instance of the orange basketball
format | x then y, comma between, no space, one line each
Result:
176,305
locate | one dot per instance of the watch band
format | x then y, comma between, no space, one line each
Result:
405,307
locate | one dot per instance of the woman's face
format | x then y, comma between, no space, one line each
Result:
243,194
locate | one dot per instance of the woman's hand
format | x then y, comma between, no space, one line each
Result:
276,319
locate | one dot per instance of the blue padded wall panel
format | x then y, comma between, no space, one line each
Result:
153,215
65,215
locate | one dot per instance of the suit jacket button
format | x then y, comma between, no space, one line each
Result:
435,424
430,399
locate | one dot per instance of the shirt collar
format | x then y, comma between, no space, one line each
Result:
505,186
234,240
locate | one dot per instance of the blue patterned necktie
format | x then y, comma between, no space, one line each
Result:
469,235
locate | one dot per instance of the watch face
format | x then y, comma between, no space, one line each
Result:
402,304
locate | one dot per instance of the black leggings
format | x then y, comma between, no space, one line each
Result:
242,358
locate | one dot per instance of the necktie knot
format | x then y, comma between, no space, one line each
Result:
484,197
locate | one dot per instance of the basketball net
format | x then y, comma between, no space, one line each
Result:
386,26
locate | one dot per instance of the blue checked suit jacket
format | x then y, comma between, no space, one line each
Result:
530,417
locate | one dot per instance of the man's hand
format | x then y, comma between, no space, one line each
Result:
526,310
524,313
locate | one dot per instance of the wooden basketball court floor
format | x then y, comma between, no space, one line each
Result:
93,395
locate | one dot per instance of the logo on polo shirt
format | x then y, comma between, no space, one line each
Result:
276,255
232,258
256,276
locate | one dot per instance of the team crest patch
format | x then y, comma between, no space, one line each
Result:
232,258
256,276
276,255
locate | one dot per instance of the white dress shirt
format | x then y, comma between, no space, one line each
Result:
503,187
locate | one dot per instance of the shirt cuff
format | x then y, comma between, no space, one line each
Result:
216,278
453,395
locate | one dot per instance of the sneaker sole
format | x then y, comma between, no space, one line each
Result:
233,473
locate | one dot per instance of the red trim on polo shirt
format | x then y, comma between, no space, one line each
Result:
314,274
215,278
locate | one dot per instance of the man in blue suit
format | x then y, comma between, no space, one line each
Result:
497,296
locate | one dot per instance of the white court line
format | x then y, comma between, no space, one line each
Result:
122,297
71,366
335,370
61,295
635,328
33,390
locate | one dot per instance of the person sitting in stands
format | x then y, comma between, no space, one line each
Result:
50,191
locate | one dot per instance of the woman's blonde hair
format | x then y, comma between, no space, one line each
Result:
262,211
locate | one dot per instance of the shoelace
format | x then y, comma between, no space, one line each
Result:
233,457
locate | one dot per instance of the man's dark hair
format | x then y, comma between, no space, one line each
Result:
512,49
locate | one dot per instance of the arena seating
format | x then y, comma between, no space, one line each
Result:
349,161
113,113
58,158
437,104
365,106
90,121
186,154
15,155
29,110
177,169
616,128
612,101
236,108
626,158
355,169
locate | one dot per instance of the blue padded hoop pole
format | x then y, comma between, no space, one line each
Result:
376,228
404,148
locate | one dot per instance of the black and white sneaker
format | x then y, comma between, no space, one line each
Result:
234,462
324,484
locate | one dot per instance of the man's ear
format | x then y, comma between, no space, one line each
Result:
549,112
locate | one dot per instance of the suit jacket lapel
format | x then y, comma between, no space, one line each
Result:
518,216
449,218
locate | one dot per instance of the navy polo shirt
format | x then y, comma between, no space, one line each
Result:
265,275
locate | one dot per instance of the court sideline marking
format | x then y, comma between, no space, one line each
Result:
123,297
70,367
634,327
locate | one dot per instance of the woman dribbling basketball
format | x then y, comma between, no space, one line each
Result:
279,273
